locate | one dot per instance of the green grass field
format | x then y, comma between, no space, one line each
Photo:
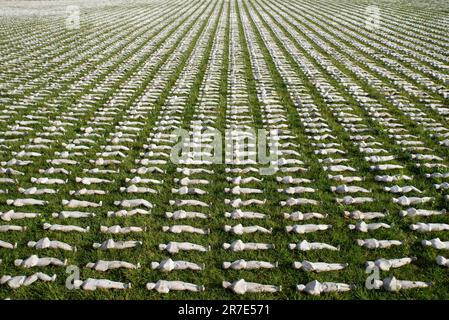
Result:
377,66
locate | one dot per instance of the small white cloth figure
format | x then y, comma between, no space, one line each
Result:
46,243
239,245
119,245
316,288
378,244
359,215
307,228
164,286
170,265
94,284
387,264
299,216
412,212
429,227
175,247
436,243
102,265
65,228
307,246
7,245
184,228
318,266
182,214
242,287
239,214
239,229
120,230
395,285
442,261
35,261
15,282
362,226
13,215
248,265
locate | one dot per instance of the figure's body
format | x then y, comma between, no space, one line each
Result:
164,286
169,265
94,284
248,265
316,288
175,247
242,287
318,266
35,261
239,245
102,265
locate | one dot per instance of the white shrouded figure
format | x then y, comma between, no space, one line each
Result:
188,202
299,216
164,286
119,245
85,192
184,228
134,203
359,215
182,214
442,261
307,228
116,229
362,226
103,265
8,228
436,243
94,284
170,265
35,261
26,202
242,287
405,189
429,227
65,228
126,213
297,190
349,189
88,180
394,178
316,288
307,246
242,264
186,181
72,214
237,203
175,247
412,212
354,200
15,282
239,214
394,285
80,204
240,229
298,201
387,264
318,266
239,245
7,245
406,201
186,190
13,215
378,244
290,179
46,243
